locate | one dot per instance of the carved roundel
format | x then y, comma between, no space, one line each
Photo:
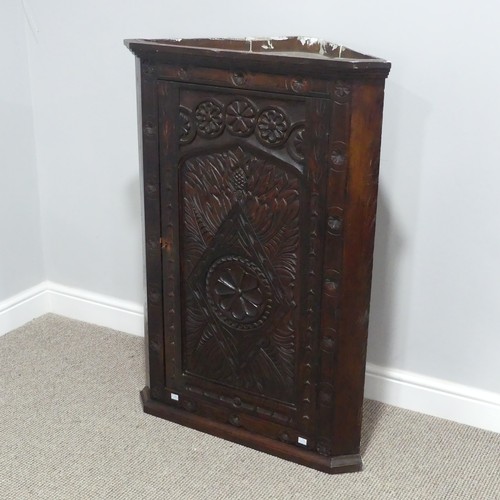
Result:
272,127
209,118
238,292
342,90
338,156
299,84
238,78
240,117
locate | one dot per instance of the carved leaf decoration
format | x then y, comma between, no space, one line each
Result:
262,374
283,341
210,357
267,366
274,210
238,203
203,217
205,350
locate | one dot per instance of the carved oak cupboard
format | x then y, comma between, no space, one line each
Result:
260,166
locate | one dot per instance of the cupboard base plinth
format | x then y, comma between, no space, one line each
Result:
331,465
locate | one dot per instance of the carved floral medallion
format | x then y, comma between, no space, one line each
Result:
240,117
238,291
209,118
272,126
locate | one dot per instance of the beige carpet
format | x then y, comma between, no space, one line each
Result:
71,427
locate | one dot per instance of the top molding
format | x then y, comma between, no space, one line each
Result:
306,56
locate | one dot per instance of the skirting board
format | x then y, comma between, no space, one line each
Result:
460,403
73,303
23,307
95,308
436,397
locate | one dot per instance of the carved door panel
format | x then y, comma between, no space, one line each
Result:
241,204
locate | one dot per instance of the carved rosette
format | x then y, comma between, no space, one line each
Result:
148,68
338,156
323,447
272,127
238,292
240,117
238,78
342,91
183,73
299,84
209,118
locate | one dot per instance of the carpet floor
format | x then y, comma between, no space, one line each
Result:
72,427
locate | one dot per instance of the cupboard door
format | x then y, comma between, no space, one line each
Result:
242,215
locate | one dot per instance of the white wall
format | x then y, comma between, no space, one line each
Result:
21,262
436,287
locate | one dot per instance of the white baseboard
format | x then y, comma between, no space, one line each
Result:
460,403
95,308
74,303
440,398
23,307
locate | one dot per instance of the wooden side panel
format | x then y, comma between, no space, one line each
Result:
148,126
357,259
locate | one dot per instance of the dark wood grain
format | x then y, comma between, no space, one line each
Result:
357,256
260,166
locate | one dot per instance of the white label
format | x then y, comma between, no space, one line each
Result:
174,396
302,440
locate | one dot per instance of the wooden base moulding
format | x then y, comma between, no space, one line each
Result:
331,465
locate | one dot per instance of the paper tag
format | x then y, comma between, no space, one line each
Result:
302,440
174,396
